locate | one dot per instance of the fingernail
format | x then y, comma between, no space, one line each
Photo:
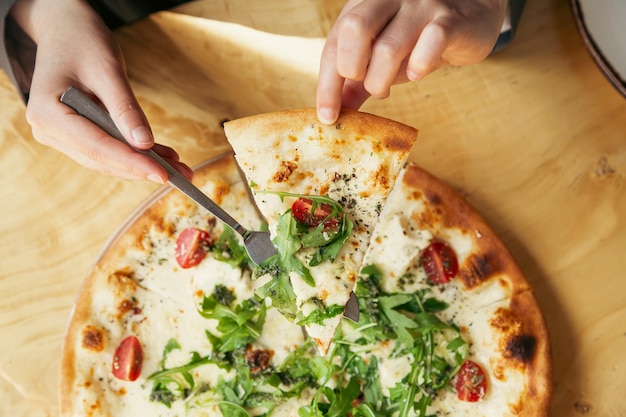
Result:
413,76
327,115
156,178
141,135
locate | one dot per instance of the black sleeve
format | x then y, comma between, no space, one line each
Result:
515,12
7,45
17,50
120,12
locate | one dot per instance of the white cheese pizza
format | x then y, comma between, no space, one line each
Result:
173,320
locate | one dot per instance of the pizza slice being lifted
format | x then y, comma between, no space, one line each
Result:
321,190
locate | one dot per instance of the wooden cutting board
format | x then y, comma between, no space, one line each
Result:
534,137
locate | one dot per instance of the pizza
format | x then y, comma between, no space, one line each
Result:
173,319
321,189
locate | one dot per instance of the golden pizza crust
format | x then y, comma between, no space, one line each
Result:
393,136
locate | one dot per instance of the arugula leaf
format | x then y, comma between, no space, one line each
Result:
290,238
178,382
427,322
327,244
235,392
346,382
318,315
280,292
170,346
288,244
239,325
228,248
341,399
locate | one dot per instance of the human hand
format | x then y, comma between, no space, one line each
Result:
375,44
75,48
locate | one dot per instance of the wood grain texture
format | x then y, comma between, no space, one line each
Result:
534,137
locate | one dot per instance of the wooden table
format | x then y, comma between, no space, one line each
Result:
534,137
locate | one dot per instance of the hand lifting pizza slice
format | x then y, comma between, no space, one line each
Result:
321,189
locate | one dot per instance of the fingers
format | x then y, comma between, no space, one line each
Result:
356,32
125,111
390,49
171,156
375,44
354,94
426,56
58,126
363,54
94,149
329,86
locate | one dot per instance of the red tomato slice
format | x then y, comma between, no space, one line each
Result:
192,246
301,209
440,262
471,383
128,359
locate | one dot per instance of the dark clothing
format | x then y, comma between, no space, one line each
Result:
515,12
17,50
120,12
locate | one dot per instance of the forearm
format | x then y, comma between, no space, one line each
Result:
36,16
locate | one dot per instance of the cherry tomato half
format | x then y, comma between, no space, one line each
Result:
301,209
440,262
128,359
471,383
192,246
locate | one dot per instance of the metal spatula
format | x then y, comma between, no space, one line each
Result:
258,244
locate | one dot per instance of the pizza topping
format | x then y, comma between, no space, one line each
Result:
437,349
292,236
258,359
346,382
228,248
239,324
129,306
128,359
192,246
440,263
307,212
471,383
93,339
322,313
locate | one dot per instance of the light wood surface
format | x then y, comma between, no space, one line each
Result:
534,137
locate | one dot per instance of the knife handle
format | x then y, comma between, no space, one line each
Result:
87,108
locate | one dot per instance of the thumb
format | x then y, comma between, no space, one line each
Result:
129,117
